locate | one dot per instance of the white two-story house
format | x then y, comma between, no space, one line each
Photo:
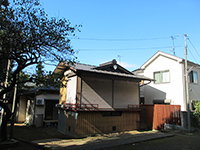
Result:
169,85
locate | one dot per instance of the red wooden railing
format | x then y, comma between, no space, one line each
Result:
95,107
81,107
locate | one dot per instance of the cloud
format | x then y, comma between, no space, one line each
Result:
127,65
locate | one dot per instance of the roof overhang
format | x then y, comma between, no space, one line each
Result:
81,69
62,66
159,53
114,75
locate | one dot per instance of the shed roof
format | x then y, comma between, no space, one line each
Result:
105,69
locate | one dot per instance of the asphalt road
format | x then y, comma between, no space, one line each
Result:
184,141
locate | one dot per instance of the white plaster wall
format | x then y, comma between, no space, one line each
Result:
71,90
102,92
97,91
172,90
125,93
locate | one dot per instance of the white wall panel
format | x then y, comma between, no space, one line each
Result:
125,93
97,91
71,90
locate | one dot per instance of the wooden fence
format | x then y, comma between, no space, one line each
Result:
166,114
157,115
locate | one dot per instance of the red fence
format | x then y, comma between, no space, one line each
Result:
157,115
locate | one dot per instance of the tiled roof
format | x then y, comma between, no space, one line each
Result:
91,68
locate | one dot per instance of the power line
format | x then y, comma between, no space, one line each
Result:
127,49
139,39
194,47
192,55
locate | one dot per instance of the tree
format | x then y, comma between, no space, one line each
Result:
45,78
28,36
39,76
196,113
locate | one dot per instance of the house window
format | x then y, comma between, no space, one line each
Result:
193,77
161,76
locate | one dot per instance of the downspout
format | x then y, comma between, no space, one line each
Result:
145,83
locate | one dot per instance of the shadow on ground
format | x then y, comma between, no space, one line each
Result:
31,133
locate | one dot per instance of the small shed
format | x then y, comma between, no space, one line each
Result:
98,99
37,106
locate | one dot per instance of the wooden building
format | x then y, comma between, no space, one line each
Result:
98,99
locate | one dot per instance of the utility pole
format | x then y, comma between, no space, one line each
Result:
173,48
186,86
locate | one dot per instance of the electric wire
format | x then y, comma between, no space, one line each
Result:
139,39
192,55
126,49
193,47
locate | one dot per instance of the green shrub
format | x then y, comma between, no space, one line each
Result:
196,113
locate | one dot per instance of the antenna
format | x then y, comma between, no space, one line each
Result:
173,48
119,56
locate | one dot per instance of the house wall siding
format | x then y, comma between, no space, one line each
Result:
194,88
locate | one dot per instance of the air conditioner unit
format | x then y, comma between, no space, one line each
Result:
39,101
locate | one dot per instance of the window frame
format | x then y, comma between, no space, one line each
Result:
161,77
192,77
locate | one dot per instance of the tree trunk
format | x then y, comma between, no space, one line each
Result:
6,116
4,136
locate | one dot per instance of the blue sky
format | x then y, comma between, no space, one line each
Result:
130,31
